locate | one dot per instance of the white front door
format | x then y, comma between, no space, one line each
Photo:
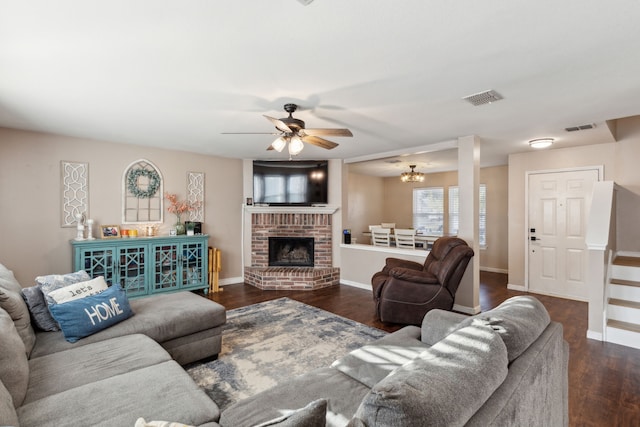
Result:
559,204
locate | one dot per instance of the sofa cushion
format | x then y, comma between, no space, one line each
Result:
15,306
86,316
8,415
519,321
162,317
445,385
312,415
91,363
343,395
52,282
79,290
34,298
161,392
372,362
141,422
14,367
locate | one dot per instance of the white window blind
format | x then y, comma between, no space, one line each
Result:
454,212
428,210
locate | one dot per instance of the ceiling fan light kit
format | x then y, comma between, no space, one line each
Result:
541,142
292,132
412,176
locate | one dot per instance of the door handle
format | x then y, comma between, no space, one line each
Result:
534,239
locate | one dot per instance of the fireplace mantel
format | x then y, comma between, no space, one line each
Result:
324,209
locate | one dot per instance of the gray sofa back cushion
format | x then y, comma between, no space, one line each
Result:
14,366
11,301
8,415
445,385
519,321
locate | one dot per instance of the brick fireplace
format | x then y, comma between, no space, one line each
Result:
316,226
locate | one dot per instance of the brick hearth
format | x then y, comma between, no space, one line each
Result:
316,225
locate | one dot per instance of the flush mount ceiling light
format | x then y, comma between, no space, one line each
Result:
541,142
412,176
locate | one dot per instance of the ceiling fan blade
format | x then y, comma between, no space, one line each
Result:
279,124
327,132
320,142
270,147
249,133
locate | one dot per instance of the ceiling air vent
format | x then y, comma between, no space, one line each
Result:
486,97
581,127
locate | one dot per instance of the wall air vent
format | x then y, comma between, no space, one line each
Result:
486,97
581,127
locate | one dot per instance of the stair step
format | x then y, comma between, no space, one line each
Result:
623,325
625,282
628,261
624,303
622,336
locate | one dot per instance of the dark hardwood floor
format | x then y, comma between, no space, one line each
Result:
604,379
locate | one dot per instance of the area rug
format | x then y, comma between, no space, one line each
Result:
267,343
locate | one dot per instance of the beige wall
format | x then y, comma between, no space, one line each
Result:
395,200
365,204
34,243
627,176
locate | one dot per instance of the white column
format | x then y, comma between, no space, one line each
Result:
468,295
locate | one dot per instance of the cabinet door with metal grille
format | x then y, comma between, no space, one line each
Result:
167,266
132,269
97,261
193,269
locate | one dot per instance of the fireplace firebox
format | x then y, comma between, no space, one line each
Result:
291,251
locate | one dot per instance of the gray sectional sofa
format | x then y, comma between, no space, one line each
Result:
111,378
504,367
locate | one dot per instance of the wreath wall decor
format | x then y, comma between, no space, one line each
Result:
152,188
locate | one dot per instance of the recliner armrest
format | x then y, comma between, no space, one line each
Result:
391,263
414,276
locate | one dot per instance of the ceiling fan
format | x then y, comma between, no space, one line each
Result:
292,133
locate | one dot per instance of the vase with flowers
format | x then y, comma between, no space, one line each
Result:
178,207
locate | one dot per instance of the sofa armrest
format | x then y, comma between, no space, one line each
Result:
437,324
415,276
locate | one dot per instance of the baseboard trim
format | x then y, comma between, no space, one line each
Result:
494,270
516,287
355,284
594,335
466,310
231,281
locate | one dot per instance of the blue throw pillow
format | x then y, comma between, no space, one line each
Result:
83,317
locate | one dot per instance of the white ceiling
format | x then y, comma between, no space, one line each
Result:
177,74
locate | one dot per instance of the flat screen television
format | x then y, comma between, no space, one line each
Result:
290,183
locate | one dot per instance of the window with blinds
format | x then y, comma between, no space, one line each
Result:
428,210
454,212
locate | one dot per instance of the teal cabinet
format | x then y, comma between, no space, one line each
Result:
146,265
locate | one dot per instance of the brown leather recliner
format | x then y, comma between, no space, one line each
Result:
404,291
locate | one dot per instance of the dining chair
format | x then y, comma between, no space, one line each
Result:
371,227
381,236
405,238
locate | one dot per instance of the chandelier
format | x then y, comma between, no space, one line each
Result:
412,176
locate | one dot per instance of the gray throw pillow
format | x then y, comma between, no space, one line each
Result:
56,281
312,415
444,386
34,298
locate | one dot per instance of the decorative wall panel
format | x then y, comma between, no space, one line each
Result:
74,177
195,195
